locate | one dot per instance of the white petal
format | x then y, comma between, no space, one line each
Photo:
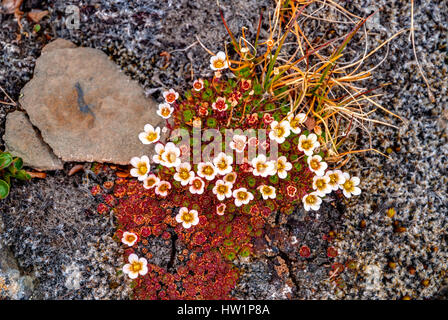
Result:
134,161
127,268
145,159
134,172
148,128
133,258
221,55
144,270
186,225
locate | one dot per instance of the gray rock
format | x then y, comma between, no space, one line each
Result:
12,284
85,107
22,140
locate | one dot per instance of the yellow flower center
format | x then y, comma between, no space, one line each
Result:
267,191
130,238
280,166
197,85
163,187
307,144
142,168
241,195
320,184
151,136
314,164
222,189
333,178
294,123
187,217
261,166
197,184
222,164
311,199
151,182
165,112
279,131
136,266
207,170
349,186
240,144
171,157
184,174
230,178
170,97
218,64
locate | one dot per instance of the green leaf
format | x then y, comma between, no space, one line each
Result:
5,160
188,115
7,177
18,163
4,189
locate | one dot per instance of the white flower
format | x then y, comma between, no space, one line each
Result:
129,238
321,185
171,155
222,190
282,166
279,131
197,185
219,62
207,170
162,188
311,201
239,143
262,167
267,192
296,121
187,217
223,163
150,135
183,173
170,96
230,177
135,266
165,110
141,167
220,209
220,104
308,144
242,196
336,179
317,165
151,181
198,85
159,150
349,187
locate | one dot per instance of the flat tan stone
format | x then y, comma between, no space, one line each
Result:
85,108
22,140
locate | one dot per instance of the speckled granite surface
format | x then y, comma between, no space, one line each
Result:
391,264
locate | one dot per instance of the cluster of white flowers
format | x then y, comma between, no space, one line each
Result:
326,182
220,169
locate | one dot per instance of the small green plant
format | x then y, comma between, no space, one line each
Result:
10,167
